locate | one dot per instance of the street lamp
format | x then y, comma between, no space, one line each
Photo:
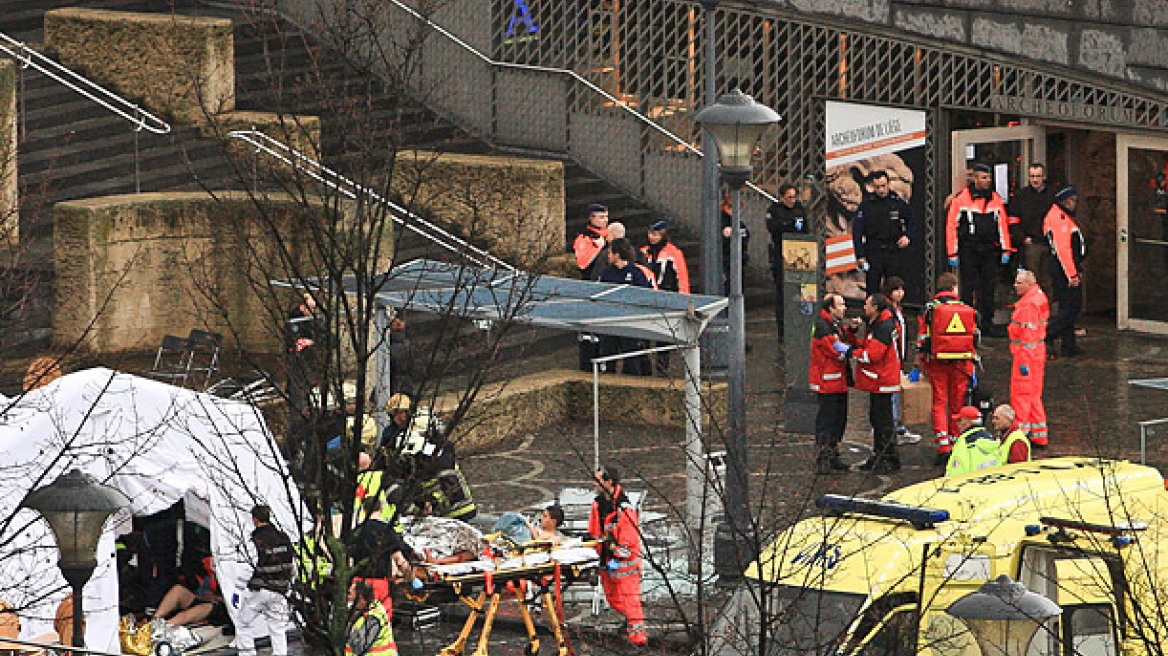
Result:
76,506
1003,616
736,122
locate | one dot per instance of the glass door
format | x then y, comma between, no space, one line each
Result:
1142,260
1009,151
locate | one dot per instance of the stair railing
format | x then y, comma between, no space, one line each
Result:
29,58
644,120
353,190
140,118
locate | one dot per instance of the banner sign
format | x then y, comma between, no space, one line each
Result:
860,140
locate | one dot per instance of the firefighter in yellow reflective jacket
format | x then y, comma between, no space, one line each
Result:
975,448
371,634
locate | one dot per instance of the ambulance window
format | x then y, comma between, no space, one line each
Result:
1089,630
807,621
888,628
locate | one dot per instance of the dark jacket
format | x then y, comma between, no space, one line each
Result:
1030,208
371,547
781,219
630,274
880,222
274,567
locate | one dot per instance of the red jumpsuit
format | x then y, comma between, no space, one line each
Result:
948,379
1027,334
618,524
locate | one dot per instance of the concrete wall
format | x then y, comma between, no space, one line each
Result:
133,268
9,205
527,404
514,207
1125,39
181,66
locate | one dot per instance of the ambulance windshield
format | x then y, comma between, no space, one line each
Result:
798,621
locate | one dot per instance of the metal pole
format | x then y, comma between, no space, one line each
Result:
736,466
595,416
711,226
382,388
695,456
78,614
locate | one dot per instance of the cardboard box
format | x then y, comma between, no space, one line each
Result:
916,402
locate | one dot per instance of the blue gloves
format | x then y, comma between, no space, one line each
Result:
799,224
1024,370
840,347
612,565
953,261
1005,258
333,444
417,584
914,376
235,601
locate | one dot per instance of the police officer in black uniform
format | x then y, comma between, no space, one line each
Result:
786,215
883,228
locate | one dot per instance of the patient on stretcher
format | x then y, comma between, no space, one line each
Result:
441,540
546,528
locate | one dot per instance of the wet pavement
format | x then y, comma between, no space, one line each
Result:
1091,409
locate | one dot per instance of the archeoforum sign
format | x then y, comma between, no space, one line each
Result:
1074,111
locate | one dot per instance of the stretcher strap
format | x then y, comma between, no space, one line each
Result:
559,591
489,582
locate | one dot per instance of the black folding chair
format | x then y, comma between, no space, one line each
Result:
172,362
204,358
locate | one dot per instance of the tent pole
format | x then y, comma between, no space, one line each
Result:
595,416
696,467
382,364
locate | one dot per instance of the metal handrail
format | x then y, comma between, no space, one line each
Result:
29,58
334,180
572,74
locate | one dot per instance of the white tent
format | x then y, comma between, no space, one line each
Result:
157,444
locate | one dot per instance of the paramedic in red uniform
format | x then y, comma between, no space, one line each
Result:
831,339
1068,247
615,522
878,373
588,246
977,240
1028,371
946,341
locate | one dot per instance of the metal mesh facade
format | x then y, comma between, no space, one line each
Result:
649,54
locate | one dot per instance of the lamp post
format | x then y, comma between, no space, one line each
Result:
1003,616
736,122
76,506
711,234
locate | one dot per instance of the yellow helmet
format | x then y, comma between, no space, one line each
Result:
398,403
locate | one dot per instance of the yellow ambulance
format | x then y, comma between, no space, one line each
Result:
871,577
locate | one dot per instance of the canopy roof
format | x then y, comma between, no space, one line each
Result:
546,301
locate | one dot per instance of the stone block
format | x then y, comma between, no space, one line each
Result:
1150,12
1103,51
297,131
180,66
872,11
948,24
133,268
1046,41
1148,47
9,195
512,207
505,411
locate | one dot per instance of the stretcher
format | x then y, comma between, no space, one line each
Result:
480,585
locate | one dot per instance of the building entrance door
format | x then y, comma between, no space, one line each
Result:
1142,195
1008,150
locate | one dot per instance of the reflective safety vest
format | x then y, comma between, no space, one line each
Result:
451,495
313,563
371,483
952,327
974,450
384,644
1004,450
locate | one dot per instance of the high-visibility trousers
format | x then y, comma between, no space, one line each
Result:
1026,395
622,588
950,382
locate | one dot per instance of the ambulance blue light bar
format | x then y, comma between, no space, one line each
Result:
919,516
1088,527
